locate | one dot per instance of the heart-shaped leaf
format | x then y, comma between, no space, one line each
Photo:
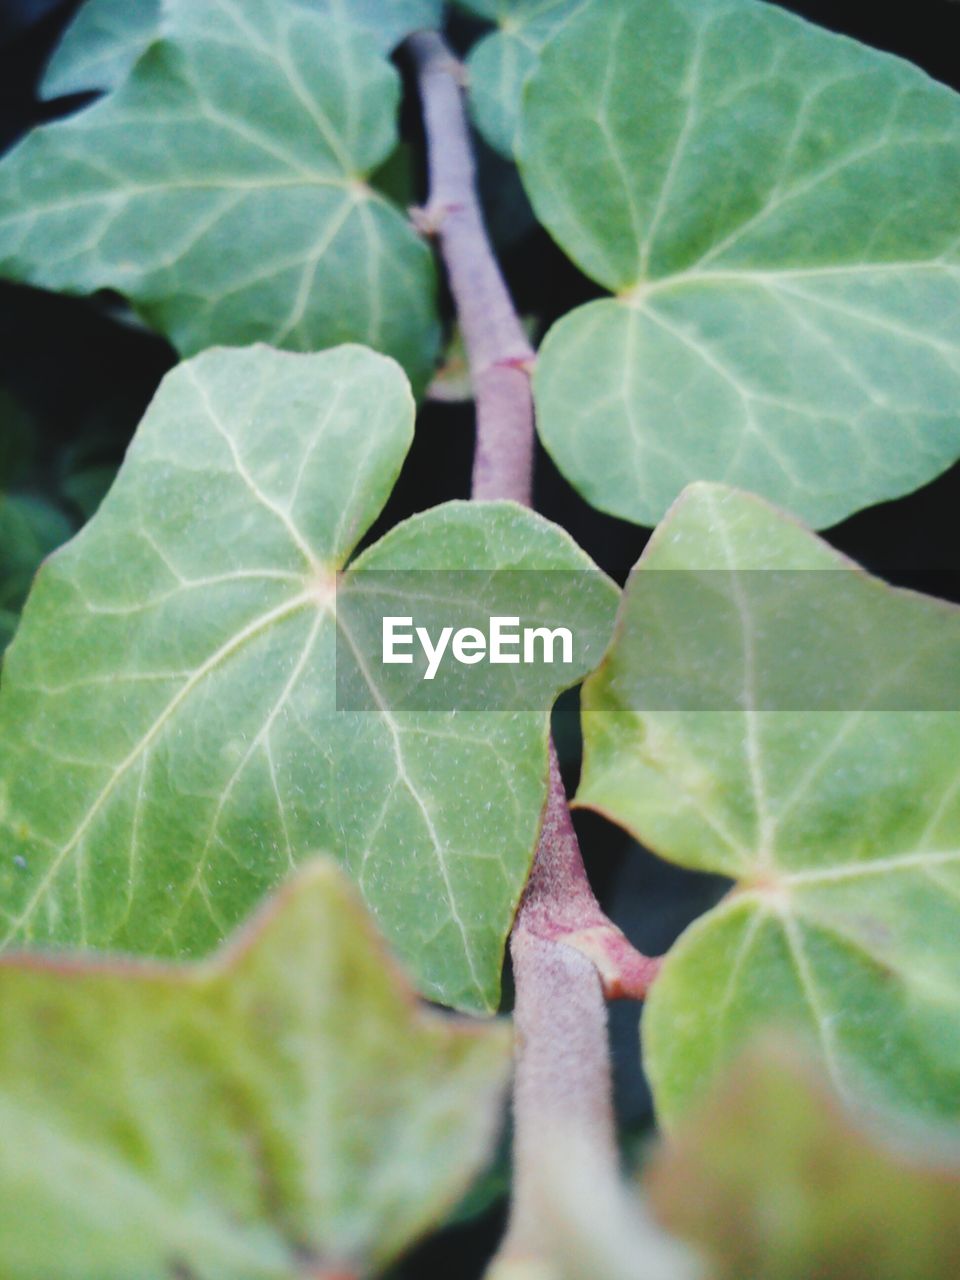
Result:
178,719
770,713
832,1194
499,64
221,218
107,36
280,1112
778,210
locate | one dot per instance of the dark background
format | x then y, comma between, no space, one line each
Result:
80,378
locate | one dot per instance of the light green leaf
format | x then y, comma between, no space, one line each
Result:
499,64
778,210
770,713
101,45
221,218
776,1181
107,36
29,530
279,1112
170,732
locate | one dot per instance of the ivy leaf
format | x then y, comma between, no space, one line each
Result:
29,530
281,1111
500,63
778,211
222,221
101,45
107,36
800,734
835,1195
171,735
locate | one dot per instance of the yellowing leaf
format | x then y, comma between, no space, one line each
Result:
774,1180
279,1112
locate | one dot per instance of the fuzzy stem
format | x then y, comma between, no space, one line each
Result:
497,347
566,954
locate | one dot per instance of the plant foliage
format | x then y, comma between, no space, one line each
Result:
773,214
279,1109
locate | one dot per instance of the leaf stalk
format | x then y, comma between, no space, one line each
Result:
566,954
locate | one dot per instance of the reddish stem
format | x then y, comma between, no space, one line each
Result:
497,347
559,905
566,954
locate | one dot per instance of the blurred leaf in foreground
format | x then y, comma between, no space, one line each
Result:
284,1111
775,1181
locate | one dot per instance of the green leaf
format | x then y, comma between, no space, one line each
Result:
500,63
282,1111
770,713
171,735
778,210
108,36
29,530
223,221
101,45
776,1181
